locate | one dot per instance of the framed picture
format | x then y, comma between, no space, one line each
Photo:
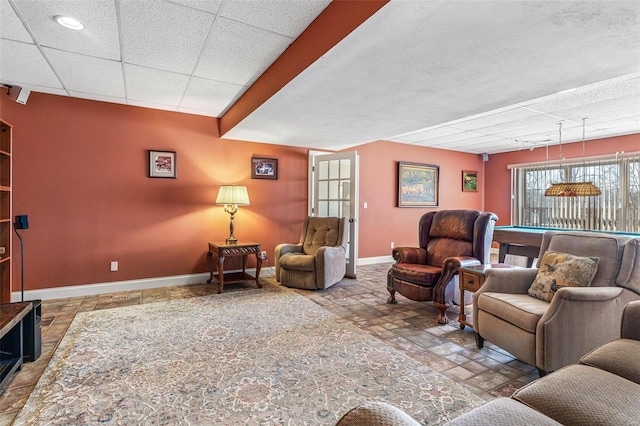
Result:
418,185
469,181
264,168
162,164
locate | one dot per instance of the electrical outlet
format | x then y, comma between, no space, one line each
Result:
263,255
392,245
114,266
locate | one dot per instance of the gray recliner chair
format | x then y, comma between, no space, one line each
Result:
318,261
555,333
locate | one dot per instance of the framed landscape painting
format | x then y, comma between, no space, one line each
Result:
418,185
469,181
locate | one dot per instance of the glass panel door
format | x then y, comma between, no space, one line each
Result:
335,193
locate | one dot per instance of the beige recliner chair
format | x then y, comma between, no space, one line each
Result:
318,261
553,334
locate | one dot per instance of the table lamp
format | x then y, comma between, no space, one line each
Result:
234,196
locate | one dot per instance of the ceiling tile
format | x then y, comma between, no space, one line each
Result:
612,89
11,27
502,117
211,6
463,136
428,134
286,17
87,74
154,86
99,38
23,63
473,141
481,146
101,98
212,96
604,108
167,37
623,130
152,105
245,53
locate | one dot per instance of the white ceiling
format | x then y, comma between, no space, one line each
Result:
472,76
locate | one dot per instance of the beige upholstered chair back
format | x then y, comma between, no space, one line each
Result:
322,231
629,275
608,248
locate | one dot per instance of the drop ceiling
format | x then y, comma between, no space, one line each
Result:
470,76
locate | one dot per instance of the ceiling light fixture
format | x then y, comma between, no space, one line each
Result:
572,189
69,22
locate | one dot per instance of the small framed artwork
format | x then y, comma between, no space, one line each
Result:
418,185
162,164
469,181
264,168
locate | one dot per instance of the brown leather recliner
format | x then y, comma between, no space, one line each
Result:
448,239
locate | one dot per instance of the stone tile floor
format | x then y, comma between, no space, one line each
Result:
409,326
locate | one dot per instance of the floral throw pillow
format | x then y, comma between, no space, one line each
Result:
559,270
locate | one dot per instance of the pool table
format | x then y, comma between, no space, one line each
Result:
526,241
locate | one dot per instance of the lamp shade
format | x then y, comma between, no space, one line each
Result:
232,194
572,189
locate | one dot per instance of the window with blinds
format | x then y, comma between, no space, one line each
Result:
616,209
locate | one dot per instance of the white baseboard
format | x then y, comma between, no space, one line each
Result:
117,286
374,260
146,283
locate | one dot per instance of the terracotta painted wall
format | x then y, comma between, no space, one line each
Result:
382,222
80,173
498,177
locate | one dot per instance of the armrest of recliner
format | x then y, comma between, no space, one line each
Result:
450,268
331,265
282,249
631,321
410,255
577,320
514,281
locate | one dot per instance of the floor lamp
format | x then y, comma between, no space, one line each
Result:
22,222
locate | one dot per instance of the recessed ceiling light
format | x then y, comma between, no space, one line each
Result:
69,22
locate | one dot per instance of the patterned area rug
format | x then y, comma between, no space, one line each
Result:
259,357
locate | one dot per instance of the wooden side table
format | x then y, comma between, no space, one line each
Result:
11,339
471,278
221,250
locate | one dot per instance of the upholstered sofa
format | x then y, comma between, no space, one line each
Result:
603,389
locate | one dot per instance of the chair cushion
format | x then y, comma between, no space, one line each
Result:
424,275
520,310
562,270
321,231
439,249
582,395
298,262
454,224
620,357
607,247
